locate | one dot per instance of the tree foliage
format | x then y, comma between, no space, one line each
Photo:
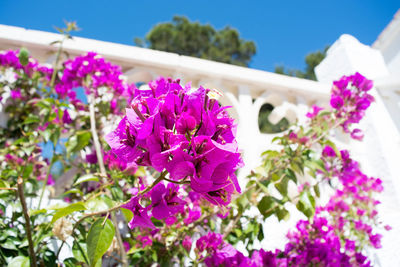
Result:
188,38
312,60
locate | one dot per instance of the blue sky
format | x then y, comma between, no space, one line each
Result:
284,31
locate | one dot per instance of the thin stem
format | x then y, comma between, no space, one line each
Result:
45,183
159,179
55,66
8,188
337,124
95,137
124,259
177,182
232,224
103,172
32,254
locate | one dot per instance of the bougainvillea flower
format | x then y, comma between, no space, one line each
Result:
328,151
165,201
315,111
140,217
124,143
184,132
66,117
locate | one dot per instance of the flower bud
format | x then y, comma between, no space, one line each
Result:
62,229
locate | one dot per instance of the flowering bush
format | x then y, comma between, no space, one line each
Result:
161,185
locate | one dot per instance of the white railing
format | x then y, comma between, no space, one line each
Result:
245,89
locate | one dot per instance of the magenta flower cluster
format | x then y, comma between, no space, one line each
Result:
184,132
317,244
350,100
10,59
353,206
216,252
311,244
165,203
90,71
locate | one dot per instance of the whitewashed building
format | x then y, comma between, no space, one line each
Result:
248,89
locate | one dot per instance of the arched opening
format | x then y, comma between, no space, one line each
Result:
265,125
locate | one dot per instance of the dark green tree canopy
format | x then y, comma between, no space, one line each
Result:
188,38
312,60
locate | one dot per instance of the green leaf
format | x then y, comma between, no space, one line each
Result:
23,56
128,214
282,186
27,171
262,187
297,167
306,204
260,235
31,119
9,244
324,113
35,212
19,261
283,214
271,153
311,199
24,243
28,150
117,193
78,141
86,178
79,251
78,206
55,136
45,134
74,191
267,166
99,240
100,203
71,262
275,177
265,205
291,175
4,184
316,190
8,233
276,139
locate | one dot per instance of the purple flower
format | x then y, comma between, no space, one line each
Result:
66,118
336,102
193,215
91,158
127,246
185,132
350,99
165,201
16,94
10,59
124,143
315,111
376,240
328,151
140,217
220,253
187,243
357,134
